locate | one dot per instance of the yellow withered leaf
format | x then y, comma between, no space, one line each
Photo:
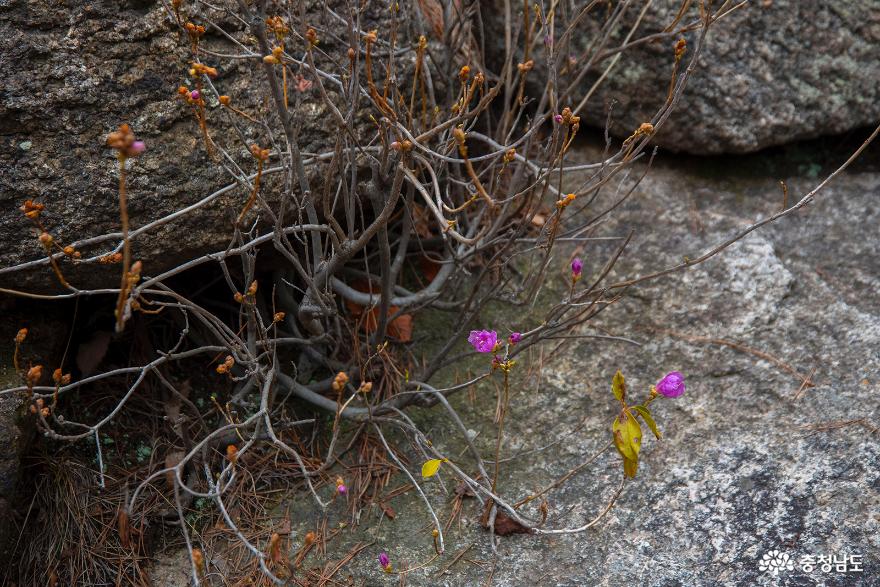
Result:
430,468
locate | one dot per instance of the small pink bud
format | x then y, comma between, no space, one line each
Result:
195,95
342,489
577,267
557,118
384,561
136,148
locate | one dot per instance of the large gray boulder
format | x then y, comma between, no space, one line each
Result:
72,72
770,73
749,462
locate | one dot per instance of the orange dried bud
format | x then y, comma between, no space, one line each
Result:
56,375
110,258
510,155
525,67
183,90
124,142
65,380
232,453
459,135
405,146
371,37
21,335
224,100
31,206
479,78
202,69
366,387
568,199
40,403
566,115
309,538
258,153
680,48
276,23
645,128
44,412
46,239
423,42
69,251
271,60
252,290
339,381
238,297
33,214
226,365
275,547
464,73
278,317
34,374
136,268
351,54
312,36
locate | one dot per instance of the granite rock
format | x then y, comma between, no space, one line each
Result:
769,73
749,463
73,71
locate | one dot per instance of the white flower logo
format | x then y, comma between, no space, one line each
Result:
775,561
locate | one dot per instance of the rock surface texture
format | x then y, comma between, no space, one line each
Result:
72,72
750,461
769,73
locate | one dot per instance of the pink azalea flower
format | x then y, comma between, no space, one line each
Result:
672,385
483,341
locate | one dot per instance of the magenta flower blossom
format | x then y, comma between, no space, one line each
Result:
483,341
577,267
557,118
136,148
672,385
384,561
515,337
195,95
342,489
